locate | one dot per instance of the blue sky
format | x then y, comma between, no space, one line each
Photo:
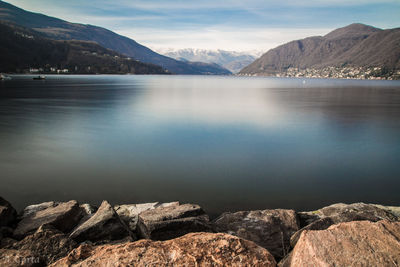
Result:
214,24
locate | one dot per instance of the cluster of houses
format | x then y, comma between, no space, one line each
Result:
53,70
372,73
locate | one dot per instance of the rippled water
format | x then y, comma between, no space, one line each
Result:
226,143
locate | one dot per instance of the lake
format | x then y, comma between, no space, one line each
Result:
225,143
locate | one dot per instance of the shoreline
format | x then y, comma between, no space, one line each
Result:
278,233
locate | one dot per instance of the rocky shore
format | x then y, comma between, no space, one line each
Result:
175,234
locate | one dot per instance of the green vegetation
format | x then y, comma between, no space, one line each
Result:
24,51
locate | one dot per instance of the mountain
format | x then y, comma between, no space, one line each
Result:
356,46
58,29
231,60
23,49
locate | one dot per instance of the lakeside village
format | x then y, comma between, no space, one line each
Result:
370,73
77,69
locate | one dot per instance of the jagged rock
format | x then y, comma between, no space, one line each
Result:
47,243
64,217
391,209
87,212
195,249
88,209
103,226
270,229
172,221
31,209
129,213
7,213
306,218
320,224
355,212
358,243
338,213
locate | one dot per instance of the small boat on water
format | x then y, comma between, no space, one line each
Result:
40,77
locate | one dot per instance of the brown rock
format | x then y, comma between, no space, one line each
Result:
196,249
320,224
337,213
129,213
358,243
103,226
47,243
172,221
7,213
64,217
270,229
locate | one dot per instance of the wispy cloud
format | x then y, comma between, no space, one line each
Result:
225,24
224,38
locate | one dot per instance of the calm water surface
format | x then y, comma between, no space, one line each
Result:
226,143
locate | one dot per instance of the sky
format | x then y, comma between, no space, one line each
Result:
235,25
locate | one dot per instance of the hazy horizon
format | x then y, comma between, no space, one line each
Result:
230,25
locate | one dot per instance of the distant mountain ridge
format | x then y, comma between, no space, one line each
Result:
62,30
231,60
356,45
23,50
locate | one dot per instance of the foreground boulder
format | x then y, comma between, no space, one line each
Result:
46,245
172,221
7,213
338,213
196,249
103,226
270,229
129,213
359,243
63,216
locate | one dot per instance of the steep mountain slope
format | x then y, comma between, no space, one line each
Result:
22,49
231,60
356,45
62,30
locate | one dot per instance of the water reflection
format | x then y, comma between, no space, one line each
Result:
223,142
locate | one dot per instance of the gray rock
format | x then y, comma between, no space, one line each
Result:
87,212
105,225
129,213
87,209
391,209
31,209
8,214
64,217
355,212
47,243
270,229
168,204
172,221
